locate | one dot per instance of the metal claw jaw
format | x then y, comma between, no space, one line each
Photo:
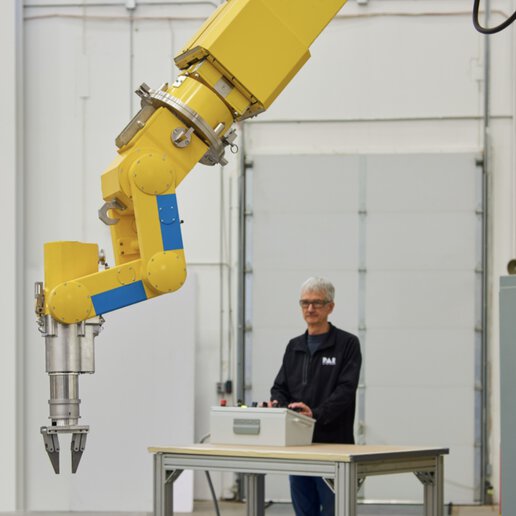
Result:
78,444
51,441
77,447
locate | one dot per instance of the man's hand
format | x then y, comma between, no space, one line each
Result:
300,407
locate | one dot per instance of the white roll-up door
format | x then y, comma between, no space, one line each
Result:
400,236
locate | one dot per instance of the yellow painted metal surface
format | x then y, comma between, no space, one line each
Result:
150,165
203,101
234,67
259,45
147,224
120,180
206,72
114,182
124,236
70,302
127,275
65,261
153,173
113,278
166,271
305,18
260,62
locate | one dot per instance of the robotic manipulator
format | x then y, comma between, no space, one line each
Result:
239,61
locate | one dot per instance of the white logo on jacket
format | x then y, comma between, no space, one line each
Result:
328,360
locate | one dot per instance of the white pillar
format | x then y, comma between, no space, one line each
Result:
10,263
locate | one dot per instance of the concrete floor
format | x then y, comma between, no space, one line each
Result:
205,508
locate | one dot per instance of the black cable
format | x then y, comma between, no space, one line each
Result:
490,30
213,495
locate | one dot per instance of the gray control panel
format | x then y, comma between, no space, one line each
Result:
265,426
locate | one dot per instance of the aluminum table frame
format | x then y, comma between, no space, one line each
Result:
344,467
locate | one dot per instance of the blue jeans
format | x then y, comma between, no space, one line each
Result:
311,496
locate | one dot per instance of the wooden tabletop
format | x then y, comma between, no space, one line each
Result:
315,452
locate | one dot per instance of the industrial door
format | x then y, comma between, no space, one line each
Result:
401,237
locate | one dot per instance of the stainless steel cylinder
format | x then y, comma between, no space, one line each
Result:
70,347
69,352
64,399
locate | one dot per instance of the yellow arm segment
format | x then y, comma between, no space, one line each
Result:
239,61
257,46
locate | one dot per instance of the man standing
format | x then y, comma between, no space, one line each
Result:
319,378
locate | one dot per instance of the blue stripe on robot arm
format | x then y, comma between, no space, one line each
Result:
118,297
170,222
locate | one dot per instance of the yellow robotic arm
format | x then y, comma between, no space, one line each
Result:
239,61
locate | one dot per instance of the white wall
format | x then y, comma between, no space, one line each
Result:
379,81
87,64
10,263
385,80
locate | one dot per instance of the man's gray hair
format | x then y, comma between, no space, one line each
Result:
320,285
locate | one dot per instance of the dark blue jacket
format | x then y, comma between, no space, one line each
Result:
326,382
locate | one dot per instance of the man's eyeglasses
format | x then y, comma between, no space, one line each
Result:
317,303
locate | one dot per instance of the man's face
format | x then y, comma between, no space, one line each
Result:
315,307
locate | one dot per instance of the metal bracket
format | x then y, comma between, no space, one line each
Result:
135,125
160,98
103,259
181,136
229,140
39,295
173,476
330,482
115,204
427,478
39,307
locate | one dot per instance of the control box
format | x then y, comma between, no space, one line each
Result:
263,426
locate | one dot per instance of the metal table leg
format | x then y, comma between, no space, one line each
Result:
159,485
346,483
255,490
434,493
433,484
163,487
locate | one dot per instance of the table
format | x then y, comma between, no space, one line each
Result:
344,467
